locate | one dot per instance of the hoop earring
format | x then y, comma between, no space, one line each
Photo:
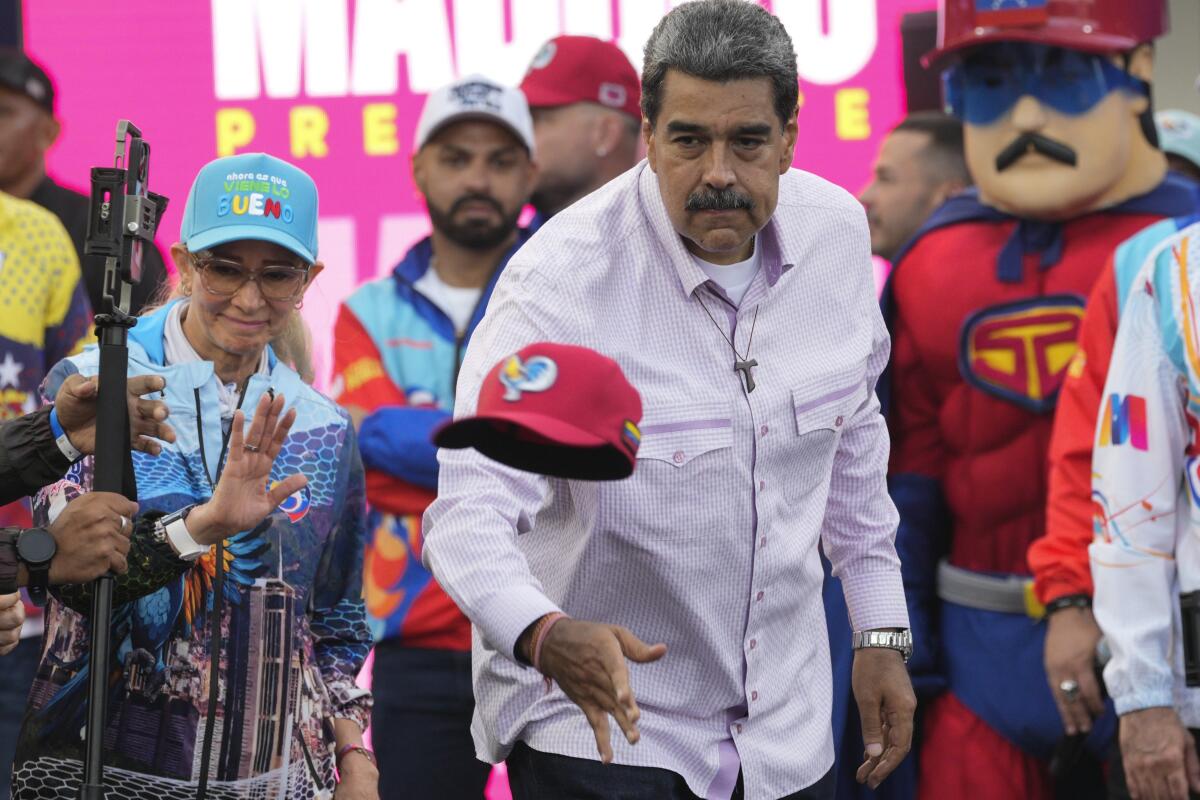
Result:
300,305
185,289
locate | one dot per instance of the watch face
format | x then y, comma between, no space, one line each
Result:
36,546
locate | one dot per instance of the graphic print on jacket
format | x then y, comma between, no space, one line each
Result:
277,610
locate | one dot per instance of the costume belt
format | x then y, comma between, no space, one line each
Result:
1008,594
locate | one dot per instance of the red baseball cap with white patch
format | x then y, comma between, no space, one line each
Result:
554,409
576,69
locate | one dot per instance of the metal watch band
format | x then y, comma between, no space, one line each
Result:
900,641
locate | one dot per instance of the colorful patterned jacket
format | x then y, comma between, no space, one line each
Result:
229,672
396,356
1146,484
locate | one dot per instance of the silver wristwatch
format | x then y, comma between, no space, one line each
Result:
900,641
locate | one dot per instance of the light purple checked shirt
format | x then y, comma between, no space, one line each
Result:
711,545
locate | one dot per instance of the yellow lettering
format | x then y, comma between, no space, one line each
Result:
235,128
379,130
309,124
852,115
242,206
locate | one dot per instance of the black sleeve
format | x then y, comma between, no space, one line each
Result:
152,565
29,456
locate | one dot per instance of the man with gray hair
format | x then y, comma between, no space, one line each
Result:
755,446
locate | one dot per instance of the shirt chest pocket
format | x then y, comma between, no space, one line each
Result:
821,415
684,466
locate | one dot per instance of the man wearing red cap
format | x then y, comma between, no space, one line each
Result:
398,345
583,94
664,635
985,306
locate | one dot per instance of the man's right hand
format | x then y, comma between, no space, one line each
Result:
12,616
1070,655
92,534
1158,755
76,405
587,660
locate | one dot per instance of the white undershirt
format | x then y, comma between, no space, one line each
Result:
456,302
735,279
178,350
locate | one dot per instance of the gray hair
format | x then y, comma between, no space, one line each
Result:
721,40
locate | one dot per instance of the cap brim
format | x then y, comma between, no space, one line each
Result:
536,443
215,237
1070,39
481,116
548,97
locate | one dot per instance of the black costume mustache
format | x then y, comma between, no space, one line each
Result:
1057,151
710,199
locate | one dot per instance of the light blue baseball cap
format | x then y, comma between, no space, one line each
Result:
252,196
1179,134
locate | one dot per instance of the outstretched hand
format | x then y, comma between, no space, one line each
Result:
242,498
587,660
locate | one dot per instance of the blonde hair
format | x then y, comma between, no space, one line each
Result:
292,345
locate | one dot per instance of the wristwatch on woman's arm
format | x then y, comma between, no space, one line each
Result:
171,531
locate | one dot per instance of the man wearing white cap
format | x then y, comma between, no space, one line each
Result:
398,345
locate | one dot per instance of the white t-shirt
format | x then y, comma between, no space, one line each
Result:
735,279
457,303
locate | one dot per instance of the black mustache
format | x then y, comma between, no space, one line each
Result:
475,198
1058,151
718,200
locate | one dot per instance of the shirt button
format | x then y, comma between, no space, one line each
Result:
753,643
759,597
754,695
678,456
838,422
762,485
762,542
738,727
763,430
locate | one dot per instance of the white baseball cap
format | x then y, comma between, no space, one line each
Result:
476,97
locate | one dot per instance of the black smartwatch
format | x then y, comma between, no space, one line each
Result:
36,547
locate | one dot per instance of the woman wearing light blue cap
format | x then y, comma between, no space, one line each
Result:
239,630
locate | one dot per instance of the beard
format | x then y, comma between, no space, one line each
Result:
473,234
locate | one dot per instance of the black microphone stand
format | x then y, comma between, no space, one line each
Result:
123,218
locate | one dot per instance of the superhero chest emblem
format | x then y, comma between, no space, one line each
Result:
1020,351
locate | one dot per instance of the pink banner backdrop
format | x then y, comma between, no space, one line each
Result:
336,86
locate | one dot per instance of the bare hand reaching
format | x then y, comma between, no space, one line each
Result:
76,405
241,499
587,660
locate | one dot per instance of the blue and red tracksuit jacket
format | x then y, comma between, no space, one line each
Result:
396,357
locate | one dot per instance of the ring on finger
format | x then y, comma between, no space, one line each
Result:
251,448
123,521
1070,689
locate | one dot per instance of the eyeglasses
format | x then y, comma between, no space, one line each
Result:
983,89
226,278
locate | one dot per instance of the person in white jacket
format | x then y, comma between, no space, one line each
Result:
1146,489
